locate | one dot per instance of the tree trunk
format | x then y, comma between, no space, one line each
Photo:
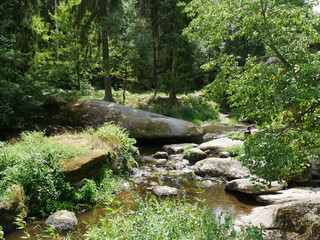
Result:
154,63
105,55
172,95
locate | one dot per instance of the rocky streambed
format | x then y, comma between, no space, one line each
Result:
207,171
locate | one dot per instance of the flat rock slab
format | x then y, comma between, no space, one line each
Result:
165,190
249,187
259,216
290,195
62,220
140,124
220,144
178,148
86,166
221,167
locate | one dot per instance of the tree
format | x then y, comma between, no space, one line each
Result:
281,97
101,12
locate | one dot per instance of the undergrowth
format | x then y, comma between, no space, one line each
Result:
166,219
34,163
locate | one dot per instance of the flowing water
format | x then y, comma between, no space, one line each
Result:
149,174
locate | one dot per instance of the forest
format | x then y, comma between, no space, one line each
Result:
256,59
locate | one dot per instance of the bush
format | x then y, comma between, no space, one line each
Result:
119,138
20,105
235,150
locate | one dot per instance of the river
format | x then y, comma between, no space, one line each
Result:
148,175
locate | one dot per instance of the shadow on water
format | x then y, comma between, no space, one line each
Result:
149,175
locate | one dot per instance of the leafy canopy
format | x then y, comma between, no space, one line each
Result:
280,91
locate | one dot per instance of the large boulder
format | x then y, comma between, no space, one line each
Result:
86,166
140,124
249,187
62,221
300,217
12,205
292,220
220,144
221,167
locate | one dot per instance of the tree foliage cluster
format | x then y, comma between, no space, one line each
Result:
278,90
75,44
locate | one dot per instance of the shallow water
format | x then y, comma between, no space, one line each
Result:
148,175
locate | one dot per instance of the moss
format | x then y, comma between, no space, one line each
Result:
291,220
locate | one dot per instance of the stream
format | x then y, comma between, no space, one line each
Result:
149,174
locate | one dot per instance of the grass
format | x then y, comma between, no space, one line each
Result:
235,150
167,219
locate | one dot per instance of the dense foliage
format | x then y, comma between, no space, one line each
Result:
279,91
157,219
35,164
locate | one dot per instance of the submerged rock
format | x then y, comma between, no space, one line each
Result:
249,187
140,124
221,167
159,155
62,220
165,190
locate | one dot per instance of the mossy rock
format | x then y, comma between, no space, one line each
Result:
12,204
86,166
140,124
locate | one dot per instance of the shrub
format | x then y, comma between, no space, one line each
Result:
235,150
119,138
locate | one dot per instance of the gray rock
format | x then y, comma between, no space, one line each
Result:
292,220
264,216
208,183
161,155
62,220
224,167
224,154
175,157
140,124
161,162
220,144
178,164
249,187
165,190
290,195
178,148
194,154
